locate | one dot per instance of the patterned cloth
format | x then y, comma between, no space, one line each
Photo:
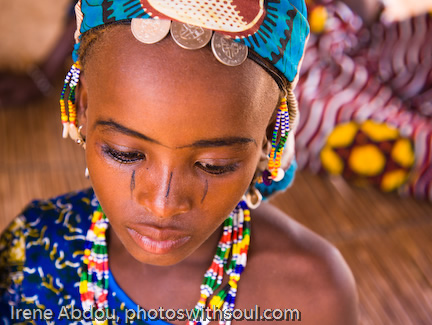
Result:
354,73
41,258
277,30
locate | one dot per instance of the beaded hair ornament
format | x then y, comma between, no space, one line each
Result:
69,120
273,29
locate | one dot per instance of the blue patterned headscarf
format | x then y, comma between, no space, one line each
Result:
277,30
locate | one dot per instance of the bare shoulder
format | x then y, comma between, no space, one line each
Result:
290,267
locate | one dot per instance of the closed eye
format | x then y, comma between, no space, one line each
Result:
215,169
123,157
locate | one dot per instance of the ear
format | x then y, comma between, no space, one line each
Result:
266,144
269,131
81,103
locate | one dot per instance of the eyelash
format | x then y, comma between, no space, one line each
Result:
125,157
217,170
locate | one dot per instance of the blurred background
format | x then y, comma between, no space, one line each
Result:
364,144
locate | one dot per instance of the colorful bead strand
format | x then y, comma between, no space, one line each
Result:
282,127
235,239
95,273
69,121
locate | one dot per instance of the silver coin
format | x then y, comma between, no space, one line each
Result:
150,31
227,51
190,37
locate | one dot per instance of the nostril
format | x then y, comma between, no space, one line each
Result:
163,208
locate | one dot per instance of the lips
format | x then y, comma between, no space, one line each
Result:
157,241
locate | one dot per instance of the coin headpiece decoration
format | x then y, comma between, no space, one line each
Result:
276,30
227,51
150,31
190,37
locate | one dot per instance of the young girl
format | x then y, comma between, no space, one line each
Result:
180,131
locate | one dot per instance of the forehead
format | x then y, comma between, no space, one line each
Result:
120,71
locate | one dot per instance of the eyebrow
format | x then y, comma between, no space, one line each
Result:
219,142
205,143
122,129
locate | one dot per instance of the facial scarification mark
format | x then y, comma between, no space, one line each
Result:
205,191
132,183
169,185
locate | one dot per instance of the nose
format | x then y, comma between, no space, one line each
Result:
163,192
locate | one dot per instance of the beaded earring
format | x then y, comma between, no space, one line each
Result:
282,127
69,118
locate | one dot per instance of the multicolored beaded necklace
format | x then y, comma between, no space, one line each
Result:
95,275
231,257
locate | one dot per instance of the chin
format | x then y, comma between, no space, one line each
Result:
170,259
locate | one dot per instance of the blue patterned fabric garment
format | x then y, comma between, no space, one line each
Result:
277,30
40,265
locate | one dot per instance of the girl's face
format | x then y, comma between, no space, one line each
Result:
173,140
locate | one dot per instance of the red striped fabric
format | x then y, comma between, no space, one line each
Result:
354,73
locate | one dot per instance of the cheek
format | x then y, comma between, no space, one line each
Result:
110,180
223,194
